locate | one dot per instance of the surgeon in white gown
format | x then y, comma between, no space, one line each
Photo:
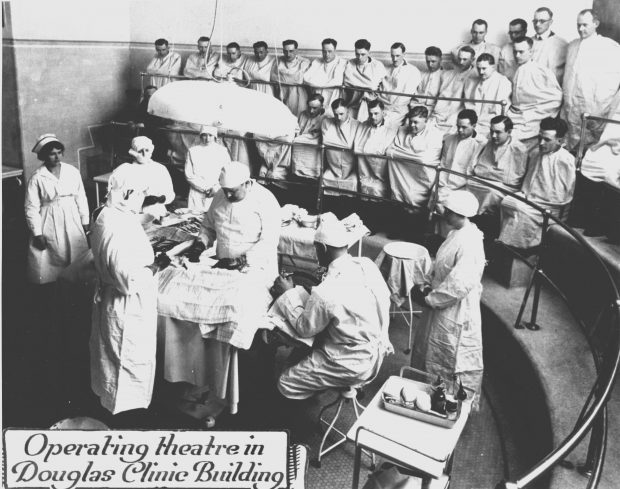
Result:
348,313
124,319
244,219
448,341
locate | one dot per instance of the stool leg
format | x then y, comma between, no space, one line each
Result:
317,462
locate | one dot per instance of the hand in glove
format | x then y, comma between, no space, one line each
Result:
193,254
39,242
154,199
419,294
232,263
162,260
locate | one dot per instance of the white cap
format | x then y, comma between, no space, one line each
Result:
234,174
43,140
463,203
209,130
141,142
332,233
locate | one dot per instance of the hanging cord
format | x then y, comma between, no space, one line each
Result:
211,33
275,50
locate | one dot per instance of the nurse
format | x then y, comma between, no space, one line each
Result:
124,321
448,341
203,167
56,213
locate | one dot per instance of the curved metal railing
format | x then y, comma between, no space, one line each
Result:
593,416
343,87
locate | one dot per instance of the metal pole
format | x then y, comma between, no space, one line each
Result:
504,105
319,193
532,325
526,296
582,139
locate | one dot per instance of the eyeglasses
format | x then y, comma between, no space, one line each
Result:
540,21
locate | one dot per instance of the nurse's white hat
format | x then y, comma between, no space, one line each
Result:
43,140
462,202
234,174
209,130
141,142
332,232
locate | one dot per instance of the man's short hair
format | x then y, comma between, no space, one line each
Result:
233,44
376,103
520,22
480,22
203,39
554,124
468,114
433,51
259,44
161,41
362,44
398,45
503,119
594,15
527,39
486,57
418,111
290,41
468,49
329,40
544,9
316,96
339,102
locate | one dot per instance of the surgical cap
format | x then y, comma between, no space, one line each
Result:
43,140
209,130
234,174
332,233
462,202
141,142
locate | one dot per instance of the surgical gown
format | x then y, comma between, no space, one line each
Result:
448,340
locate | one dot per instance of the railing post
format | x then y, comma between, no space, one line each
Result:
504,105
587,468
319,193
532,325
582,139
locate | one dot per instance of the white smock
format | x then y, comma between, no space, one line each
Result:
340,162
458,155
372,171
411,181
591,80
169,65
549,183
368,75
250,227
124,321
550,51
260,70
504,166
448,340
202,169
496,87
322,74
349,311
452,85
158,183
536,95
282,71
57,209
402,79
306,160
430,83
